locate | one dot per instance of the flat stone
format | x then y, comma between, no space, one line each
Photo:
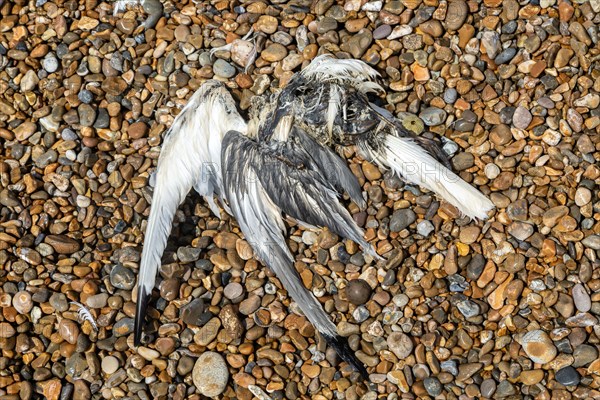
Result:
538,346
210,374
358,44
402,219
432,116
582,300
522,118
62,244
223,69
456,15
122,277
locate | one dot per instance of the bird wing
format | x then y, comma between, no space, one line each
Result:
252,177
380,137
190,157
421,161
335,171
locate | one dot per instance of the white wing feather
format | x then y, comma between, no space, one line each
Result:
414,164
190,157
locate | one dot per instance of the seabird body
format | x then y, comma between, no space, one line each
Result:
282,162
330,102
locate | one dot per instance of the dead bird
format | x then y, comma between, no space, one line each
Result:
329,100
257,177
282,162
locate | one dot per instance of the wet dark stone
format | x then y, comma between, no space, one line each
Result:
85,96
358,291
102,119
401,219
433,386
510,27
475,267
193,313
549,82
568,376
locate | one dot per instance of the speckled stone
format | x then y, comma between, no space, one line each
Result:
210,374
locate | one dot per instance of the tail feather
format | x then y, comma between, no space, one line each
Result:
414,164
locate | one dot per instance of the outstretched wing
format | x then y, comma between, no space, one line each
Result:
352,119
252,176
190,157
421,161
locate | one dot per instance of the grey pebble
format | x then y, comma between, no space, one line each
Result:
424,228
360,314
521,118
122,277
382,31
50,63
583,355
47,158
123,327
463,126
568,376
450,366
468,308
401,219
433,386
450,95
69,134
457,283
188,254
505,56
432,116
488,388
85,96
193,313
223,69
59,302
592,241
582,300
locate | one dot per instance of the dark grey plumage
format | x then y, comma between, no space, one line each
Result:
264,180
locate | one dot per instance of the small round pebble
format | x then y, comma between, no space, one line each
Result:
110,365
22,302
358,291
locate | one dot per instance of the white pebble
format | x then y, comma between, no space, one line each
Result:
582,300
492,171
83,201
110,365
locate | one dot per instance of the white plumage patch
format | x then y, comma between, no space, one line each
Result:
416,166
335,100
355,72
190,157
85,315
